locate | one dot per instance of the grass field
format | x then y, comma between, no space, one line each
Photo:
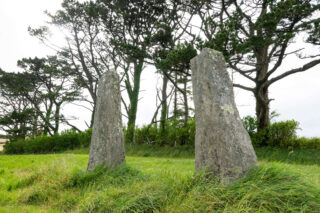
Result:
157,180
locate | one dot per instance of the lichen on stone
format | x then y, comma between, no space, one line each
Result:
227,109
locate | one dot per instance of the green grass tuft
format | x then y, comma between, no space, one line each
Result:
266,189
102,175
23,182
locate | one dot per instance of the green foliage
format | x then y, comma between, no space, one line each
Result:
249,31
303,142
278,134
179,57
31,101
47,144
314,34
174,134
282,133
51,84
178,139
250,124
16,112
277,24
16,124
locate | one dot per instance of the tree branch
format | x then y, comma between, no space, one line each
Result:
244,87
290,72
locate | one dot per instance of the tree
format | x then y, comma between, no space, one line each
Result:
16,113
255,37
314,33
115,35
107,35
132,25
49,84
176,28
87,49
178,60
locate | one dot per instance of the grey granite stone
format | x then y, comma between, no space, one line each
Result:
222,145
107,142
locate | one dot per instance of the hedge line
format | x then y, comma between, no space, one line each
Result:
279,134
49,144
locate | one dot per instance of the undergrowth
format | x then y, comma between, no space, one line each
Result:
177,137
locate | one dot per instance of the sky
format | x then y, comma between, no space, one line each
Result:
296,97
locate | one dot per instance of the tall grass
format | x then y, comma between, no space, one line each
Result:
283,182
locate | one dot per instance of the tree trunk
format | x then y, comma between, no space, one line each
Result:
35,126
57,118
23,133
185,102
92,115
164,105
262,109
175,101
261,92
46,128
134,98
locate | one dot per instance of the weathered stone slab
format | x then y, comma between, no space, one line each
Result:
222,145
107,142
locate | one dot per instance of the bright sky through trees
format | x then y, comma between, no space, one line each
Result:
296,97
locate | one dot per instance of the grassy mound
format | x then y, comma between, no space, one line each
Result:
267,189
59,183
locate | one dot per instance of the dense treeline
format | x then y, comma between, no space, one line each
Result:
130,36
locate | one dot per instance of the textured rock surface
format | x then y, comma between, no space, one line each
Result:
107,142
222,145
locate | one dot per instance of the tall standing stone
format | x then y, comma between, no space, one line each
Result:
222,145
107,142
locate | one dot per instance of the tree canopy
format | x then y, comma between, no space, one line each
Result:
128,36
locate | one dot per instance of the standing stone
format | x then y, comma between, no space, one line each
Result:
222,145
107,142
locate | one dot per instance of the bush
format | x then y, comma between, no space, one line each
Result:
47,144
282,133
175,134
250,124
303,142
279,134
